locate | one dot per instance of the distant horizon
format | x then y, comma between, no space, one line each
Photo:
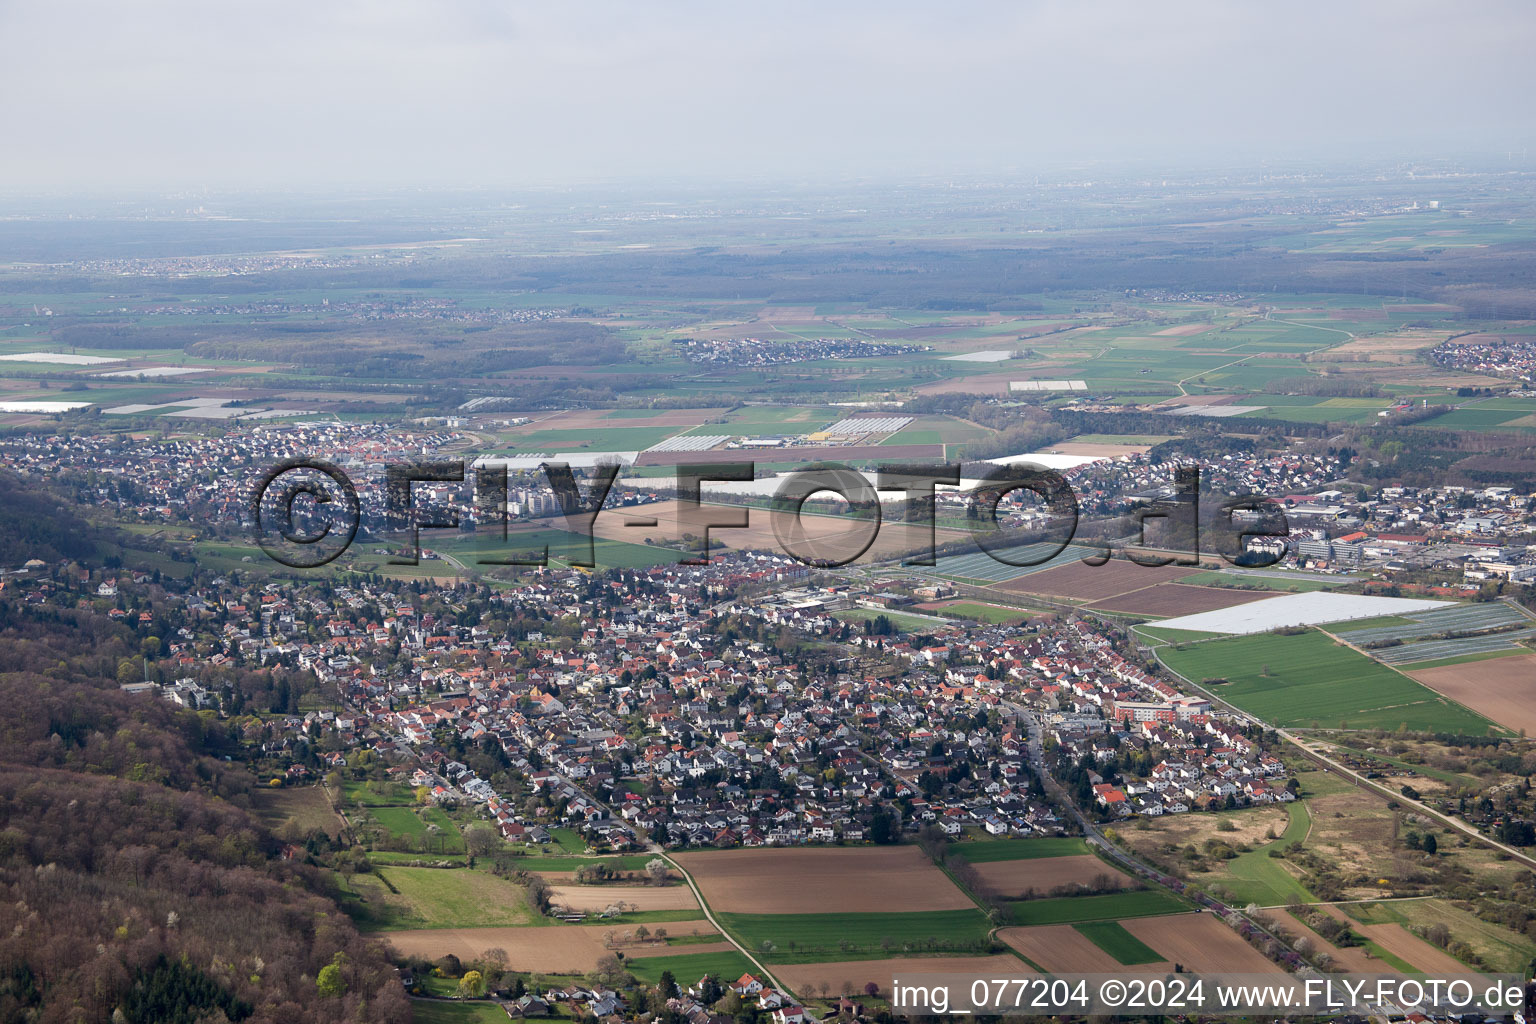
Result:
1106,173
392,94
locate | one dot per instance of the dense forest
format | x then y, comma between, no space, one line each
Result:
132,888
36,524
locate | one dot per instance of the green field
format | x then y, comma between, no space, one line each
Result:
1175,636
1502,949
636,862
985,851
995,614
376,794
1253,581
812,938
1256,877
904,623
436,898
413,824
690,967
1306,679
1115,906
445,1011
1112,938
603,439
569,840
306,808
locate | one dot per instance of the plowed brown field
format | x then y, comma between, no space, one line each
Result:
1201,943
802,977
1062,949
548,948
822,881
1503,689
1012,878
1178,599
643,897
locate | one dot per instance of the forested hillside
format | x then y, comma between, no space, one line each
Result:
131,888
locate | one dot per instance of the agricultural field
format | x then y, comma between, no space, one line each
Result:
395,898
1392,941
981,568
1500,948
1065,949
996,614
1107,907
1126,949
815,535
820,937
893,879
1307,680
1200,943
562,948
1024,879
1173,599
443,1011
984,851
1078,581
810,978
296,809
1500,689
1300,610
641,897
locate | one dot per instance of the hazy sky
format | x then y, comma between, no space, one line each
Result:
105,94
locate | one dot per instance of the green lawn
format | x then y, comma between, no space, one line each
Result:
376,794
443,1011
569,840
1115,906
985,851
1112,938
690,967
1306,679
812,938
412,823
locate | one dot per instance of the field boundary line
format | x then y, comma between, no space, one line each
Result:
709,915
1449,700
1359,780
